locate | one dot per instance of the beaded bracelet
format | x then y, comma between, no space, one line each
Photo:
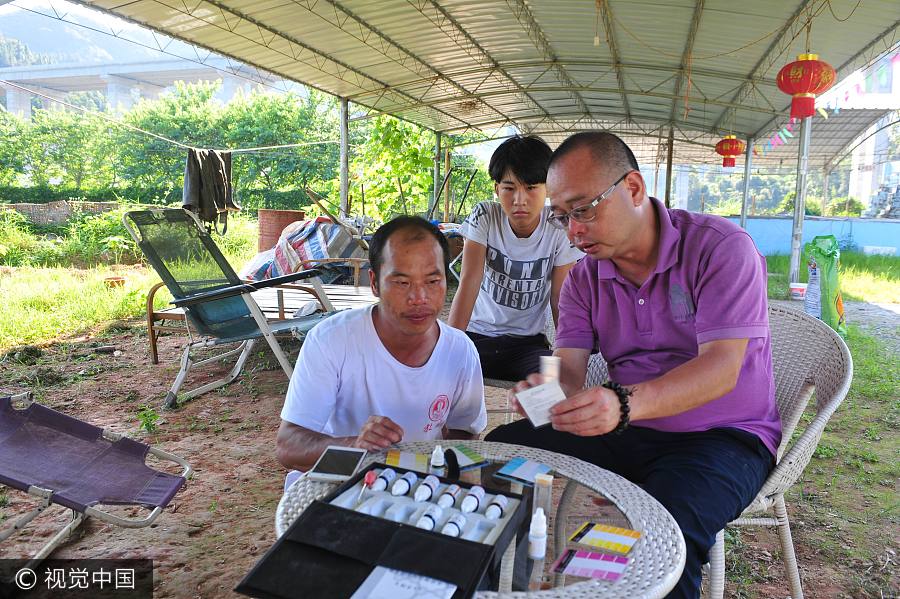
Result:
623,393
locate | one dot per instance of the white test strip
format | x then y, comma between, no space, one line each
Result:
537,401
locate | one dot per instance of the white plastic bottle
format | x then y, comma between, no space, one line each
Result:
449,496
472,500
438,464
537,548
430,517
494,510
403,484
426,490
537,536
454,526
384,479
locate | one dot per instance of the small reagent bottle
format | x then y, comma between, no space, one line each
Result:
494,510
472,500
454,526
384,479
449,496
438,463
537,535
403,484
430,517
426,490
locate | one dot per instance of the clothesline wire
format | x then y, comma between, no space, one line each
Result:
150,133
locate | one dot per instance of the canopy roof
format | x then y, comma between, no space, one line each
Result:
706,67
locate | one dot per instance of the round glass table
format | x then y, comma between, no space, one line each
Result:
657,559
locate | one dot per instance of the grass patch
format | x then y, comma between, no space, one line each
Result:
44,303
863,278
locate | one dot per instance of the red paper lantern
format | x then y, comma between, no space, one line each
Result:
729,147
804,79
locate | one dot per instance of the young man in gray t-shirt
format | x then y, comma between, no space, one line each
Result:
514,264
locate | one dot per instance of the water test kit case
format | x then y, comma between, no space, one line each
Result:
332,548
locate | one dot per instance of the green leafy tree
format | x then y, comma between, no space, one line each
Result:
260,120
12,137
67,149
189,114
395,153
91,100
845,206
14,53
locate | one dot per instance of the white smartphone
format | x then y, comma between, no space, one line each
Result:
337,463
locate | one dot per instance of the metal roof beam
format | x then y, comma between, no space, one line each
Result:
446,23
594,116
870,47
594,64
833,160
620,132
523,15
765,61
395,51
686,59
581,90
606,15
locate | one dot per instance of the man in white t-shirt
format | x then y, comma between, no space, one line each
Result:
514,264
375,376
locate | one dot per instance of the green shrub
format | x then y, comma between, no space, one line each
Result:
96,238
45,194
845,206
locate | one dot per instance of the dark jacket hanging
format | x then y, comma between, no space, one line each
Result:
207,186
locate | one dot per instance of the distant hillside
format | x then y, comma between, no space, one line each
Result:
62,42
14,53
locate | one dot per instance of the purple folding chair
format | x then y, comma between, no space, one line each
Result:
68,462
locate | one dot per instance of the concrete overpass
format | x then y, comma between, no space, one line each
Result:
124,84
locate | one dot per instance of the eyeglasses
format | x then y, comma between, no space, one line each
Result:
586,213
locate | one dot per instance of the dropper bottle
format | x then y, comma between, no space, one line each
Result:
438,465
537,547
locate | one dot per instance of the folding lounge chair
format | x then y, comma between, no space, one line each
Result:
218,304
67,462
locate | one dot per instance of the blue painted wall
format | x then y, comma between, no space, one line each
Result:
772,234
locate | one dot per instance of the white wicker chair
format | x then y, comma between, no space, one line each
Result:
807,356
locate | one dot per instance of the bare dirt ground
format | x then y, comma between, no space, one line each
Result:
222,521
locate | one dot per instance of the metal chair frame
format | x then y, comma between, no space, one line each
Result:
234,287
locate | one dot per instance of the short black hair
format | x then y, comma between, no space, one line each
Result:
606,148
527,157
402,223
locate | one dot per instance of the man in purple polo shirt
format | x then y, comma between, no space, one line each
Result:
676,304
